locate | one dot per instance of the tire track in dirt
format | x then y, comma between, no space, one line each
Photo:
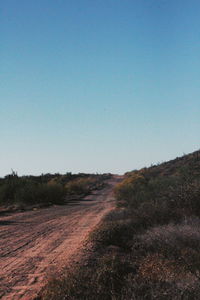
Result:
35,244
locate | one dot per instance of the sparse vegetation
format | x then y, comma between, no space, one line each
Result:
83,185
148,248
47,189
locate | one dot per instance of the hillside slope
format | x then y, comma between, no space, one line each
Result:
148,248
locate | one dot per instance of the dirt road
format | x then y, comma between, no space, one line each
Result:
34,244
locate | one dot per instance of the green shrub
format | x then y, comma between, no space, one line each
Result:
46,188
26,190
9,187
82,185
40,194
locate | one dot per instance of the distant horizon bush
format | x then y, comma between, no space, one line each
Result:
45,189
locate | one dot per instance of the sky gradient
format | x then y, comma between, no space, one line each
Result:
98,86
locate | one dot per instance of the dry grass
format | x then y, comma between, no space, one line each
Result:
149,248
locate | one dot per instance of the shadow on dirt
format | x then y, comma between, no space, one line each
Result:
3,223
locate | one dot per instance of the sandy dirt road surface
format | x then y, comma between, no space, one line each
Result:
34,244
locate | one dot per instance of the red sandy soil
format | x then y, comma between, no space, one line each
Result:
36,244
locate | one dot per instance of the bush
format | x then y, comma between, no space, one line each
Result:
40,194
9,187
104,281
118,233
179,242
131,186
26,190
186,197
82,185
47,188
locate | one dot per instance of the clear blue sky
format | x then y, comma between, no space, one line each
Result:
98,85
